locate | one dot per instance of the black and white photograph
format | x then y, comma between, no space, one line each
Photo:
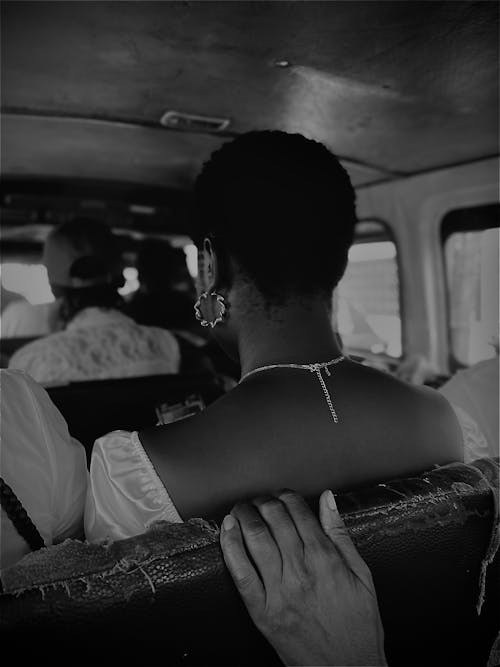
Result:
249,333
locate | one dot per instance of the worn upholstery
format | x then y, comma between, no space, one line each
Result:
165,597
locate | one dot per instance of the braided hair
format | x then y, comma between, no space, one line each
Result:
19,517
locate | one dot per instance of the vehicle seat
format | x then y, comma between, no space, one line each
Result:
95,407
165,597
11,345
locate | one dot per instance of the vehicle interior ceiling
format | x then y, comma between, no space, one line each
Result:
109,109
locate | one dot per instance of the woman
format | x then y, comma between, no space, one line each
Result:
42,467
274,217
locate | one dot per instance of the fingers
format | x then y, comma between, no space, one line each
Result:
336,530
241,569
260,544
281,526
273,533
334,526
305,522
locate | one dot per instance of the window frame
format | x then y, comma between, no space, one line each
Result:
388,235
448,227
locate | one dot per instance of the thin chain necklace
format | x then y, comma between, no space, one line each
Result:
312,368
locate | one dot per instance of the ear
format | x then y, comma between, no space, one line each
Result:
209,271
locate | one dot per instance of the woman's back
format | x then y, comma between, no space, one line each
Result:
276,430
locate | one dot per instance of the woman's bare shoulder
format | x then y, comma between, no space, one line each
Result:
415,424
193,433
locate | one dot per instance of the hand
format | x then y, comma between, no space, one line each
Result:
305,586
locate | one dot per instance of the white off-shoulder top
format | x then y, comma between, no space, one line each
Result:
45,467
125,494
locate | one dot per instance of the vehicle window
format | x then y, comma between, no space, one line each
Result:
25,277
30,281
26,280
366,304
131,281
191,259
470,244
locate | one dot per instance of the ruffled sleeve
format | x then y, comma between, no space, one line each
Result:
475,443
125,494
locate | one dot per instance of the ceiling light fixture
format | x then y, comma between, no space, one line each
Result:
193,122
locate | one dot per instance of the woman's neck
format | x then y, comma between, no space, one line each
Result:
293,334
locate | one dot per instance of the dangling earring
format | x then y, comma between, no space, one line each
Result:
219,300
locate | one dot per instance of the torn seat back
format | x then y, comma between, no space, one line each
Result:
165,597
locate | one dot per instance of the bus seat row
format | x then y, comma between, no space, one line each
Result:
96,407
165,597
10,345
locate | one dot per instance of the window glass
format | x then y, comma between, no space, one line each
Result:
471,258
366,310
31,282
191,259
26,280
131,281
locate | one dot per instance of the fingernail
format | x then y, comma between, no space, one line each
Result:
229,522
285,492
330,501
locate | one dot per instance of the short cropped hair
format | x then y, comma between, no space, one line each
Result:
282,207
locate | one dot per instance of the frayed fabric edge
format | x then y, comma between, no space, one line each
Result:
493,547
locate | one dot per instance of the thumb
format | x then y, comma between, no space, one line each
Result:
332,522
335,528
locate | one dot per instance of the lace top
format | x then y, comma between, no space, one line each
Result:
125,494
475,390
99,344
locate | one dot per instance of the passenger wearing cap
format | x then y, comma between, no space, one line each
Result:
97,341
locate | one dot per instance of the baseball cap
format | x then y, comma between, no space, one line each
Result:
82,253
